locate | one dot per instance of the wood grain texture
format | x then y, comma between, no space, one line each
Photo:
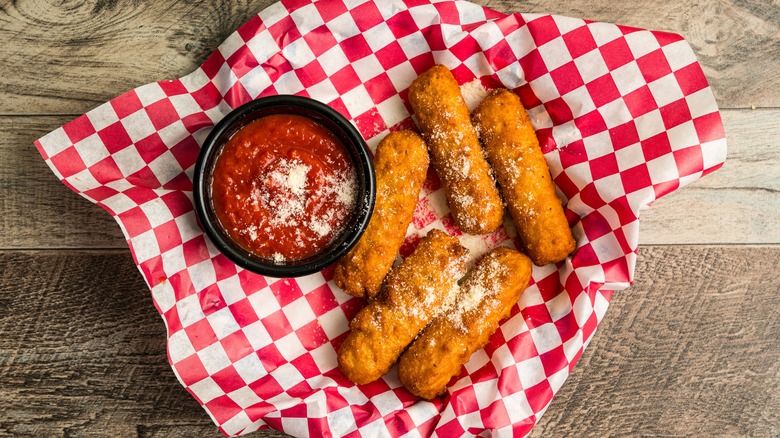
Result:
67,57
693,347
736,204
38,210
739,203
83,351
70,56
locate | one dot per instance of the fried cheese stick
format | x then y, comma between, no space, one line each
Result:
401,164
523,177
444,120
487,296
413,295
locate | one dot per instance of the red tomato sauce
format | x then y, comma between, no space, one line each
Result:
283,187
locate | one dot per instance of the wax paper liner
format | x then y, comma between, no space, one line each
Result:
624,116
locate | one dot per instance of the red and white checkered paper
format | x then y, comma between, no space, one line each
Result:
624,116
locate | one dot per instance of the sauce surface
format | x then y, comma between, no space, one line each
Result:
283,187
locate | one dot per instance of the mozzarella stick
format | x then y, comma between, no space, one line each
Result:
486,297
523,177
444,120
401,164
413,295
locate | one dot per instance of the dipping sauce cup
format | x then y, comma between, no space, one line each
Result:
284,186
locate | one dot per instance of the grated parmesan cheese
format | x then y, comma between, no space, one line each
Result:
478,288
289,191
296,178
473,93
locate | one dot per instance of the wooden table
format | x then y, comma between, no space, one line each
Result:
692,348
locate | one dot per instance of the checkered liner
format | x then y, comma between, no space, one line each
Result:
624,116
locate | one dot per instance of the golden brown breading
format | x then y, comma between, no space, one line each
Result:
444,120
414,292
523,177
401,163
486,297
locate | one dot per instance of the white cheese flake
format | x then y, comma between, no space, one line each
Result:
473,93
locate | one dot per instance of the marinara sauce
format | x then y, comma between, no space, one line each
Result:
283,187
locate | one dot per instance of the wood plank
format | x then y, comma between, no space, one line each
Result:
736,204
38,210
691,349
69,57
83,350
697,339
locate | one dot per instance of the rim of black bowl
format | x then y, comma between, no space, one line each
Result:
319,112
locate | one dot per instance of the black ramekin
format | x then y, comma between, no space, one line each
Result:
314,110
